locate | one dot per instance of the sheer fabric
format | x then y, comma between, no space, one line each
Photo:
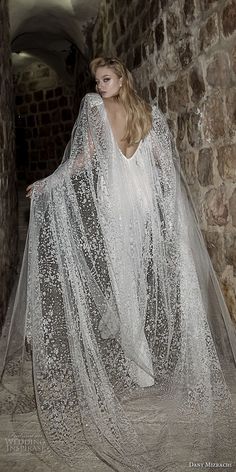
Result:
118,304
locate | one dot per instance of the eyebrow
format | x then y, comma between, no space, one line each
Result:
106,75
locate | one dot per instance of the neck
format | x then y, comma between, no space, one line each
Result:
112,100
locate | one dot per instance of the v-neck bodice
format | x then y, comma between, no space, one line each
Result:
123,155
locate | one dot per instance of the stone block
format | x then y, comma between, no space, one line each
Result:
209,33
232,207
172,62
206,4
38,96
32,86
44,131
159,34
215,247
122,21
233,59
196,83
28,98
229,18
173,25
215,208
230,249
228,289
45,119
62,101
43,106
21,89
66,114
23,110
164,3
144,21
185,50
114,33
194,128
120,48
43,72
162,99
55,129
177,93
154,10
135,35
49,94
153,89
30,120
144,53
52,104
33,108
205,167
213,122
181,126
231,108
58,91
26,76
226,156
188,166
190,11
218,70
137,56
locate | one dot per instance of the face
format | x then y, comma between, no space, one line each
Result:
107,82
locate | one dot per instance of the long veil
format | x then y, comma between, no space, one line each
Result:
119,309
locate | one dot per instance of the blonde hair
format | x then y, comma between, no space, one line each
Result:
138,111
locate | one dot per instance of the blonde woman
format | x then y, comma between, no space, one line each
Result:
130,336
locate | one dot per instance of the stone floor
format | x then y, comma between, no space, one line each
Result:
22,444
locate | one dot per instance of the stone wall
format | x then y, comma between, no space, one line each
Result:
83,82
8,200
45,115
183,54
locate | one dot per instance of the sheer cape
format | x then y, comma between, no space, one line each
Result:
119,307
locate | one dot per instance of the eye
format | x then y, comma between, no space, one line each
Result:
106,79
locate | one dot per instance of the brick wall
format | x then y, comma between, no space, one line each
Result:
183,54
45,114
8,201
83,79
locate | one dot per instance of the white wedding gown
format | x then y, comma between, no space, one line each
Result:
129,195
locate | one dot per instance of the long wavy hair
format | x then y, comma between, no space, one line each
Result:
138,111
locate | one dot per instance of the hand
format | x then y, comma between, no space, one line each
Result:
29,190
37,186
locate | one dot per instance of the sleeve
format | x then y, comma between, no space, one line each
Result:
81,149
165,156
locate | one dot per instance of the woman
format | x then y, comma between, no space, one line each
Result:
131,339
